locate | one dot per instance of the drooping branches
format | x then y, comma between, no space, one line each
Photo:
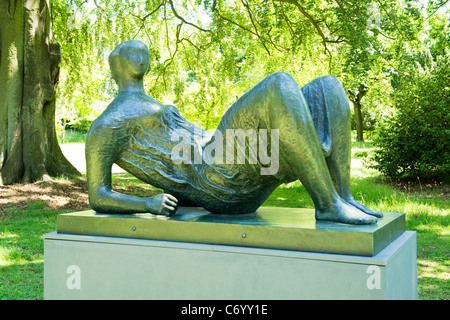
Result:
252,27
144,18
211,43
175,13
325,40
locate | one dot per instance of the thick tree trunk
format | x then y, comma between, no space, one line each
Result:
29,59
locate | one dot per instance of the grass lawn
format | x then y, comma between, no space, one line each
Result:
29,211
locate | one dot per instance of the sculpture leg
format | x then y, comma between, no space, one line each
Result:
335,104
301,152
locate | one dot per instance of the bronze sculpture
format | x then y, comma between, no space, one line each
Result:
309,126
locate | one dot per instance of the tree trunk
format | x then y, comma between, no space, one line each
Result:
356,101
359,120
29,70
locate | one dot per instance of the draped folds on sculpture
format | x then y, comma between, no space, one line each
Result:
149,156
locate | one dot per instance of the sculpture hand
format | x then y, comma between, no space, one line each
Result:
163,204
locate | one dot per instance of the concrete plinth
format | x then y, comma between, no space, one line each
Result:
97,267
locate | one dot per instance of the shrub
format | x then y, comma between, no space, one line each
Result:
414,142
83,123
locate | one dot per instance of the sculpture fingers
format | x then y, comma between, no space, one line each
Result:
172,198
171,203
168,210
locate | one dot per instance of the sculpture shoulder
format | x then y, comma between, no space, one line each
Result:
123,113
130,106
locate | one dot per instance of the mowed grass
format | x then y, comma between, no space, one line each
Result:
21,251
426,205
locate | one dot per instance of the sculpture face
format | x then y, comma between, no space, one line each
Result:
130,60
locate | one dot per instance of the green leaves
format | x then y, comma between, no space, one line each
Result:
415,141
207,53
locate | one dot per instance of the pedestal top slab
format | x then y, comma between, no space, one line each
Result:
268,227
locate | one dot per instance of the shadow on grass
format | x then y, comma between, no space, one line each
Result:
61,194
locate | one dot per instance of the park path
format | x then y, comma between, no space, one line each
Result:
74,152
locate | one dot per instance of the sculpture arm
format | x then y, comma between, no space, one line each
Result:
101,150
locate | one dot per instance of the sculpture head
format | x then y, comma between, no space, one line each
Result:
129,60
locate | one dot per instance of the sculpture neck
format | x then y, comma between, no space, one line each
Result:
131,85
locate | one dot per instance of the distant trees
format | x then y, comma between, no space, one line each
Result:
207,52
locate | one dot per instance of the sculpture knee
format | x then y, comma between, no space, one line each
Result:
280,82
337,100
327,93
284,94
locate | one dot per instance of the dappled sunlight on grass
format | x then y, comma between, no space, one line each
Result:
14,249
128,184
432,269
434,278
15,256
8,256
58,194
435,228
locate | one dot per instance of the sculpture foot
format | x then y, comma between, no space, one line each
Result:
345,213
363,208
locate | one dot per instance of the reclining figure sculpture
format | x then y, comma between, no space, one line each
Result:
307,130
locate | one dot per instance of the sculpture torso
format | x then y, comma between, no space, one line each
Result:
143,131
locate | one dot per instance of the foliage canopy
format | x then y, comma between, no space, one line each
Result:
207,53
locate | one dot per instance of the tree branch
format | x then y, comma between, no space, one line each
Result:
250,14
145,17
311,20
443,3
316,26
255,33
286,19
182,19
